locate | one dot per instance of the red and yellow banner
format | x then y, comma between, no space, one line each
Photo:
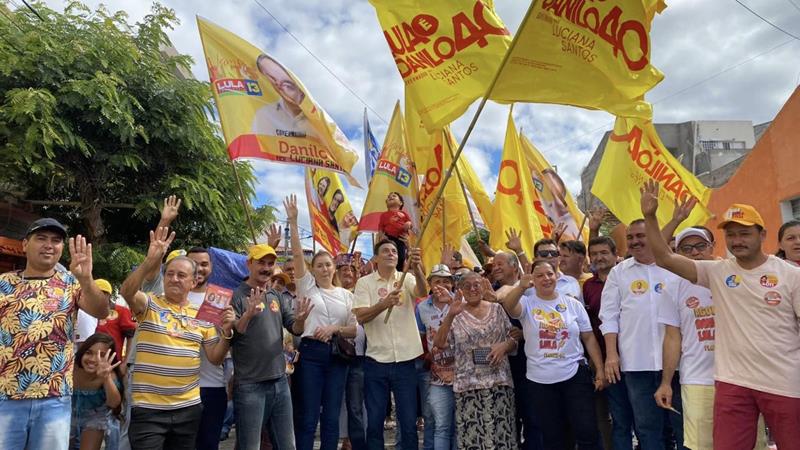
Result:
514,197
447,53
395,172
265,111
634,154
594,55
333,223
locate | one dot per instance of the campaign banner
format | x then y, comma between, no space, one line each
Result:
217,299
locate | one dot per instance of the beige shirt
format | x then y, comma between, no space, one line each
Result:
398,340
757,331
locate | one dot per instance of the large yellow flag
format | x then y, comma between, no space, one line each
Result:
594,55
332,220
394,172
635,154
473,184
264,109
514,197
554,202
447,52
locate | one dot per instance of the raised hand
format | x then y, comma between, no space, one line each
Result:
442,294
255,302
683,209
526,280
290,204
457,305
105,363
488,293
558,231
303,308
160,240
596,216
274,235
170,210
80,257
649,201
514,242
447,254
415,258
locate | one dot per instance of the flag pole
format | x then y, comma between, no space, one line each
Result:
463,142
245,204
464,191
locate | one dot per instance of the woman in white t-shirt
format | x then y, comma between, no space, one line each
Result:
320,374
559,383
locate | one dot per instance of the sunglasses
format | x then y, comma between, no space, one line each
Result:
547,253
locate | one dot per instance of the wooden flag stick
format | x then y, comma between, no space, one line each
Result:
245,203
466,198
461,145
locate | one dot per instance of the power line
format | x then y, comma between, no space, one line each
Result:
33,10
795,5
320,62
767,21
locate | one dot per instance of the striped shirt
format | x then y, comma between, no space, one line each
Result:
166,372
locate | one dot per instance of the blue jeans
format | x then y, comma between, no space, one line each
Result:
621,415
650,418
40,424
379,380
442,404
321,379
215,402
112,434
259,404
230,419
354,394
423,381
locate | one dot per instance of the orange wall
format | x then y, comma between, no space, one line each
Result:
769,175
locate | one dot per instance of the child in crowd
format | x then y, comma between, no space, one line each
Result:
97,391
289,353
395,224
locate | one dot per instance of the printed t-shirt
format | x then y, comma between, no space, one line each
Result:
392,222
552,330
429,319
119,325
166,372
37,323
757,332
689,307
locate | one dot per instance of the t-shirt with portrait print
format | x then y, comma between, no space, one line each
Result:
37,324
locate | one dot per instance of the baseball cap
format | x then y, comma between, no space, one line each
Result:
174,254
103,285
440,270
259,251
47,223
742,214
281,276
691,231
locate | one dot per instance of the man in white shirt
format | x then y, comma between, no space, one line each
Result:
757,334
393,344
633,336
284,117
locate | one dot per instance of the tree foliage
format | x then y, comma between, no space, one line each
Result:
94,112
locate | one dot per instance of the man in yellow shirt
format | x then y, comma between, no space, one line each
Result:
166,373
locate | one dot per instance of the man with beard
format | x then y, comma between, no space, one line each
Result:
261,389
633,336
613,400
756,312
213,392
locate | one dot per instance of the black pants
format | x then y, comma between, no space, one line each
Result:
401,252
215,403
563,405
154,429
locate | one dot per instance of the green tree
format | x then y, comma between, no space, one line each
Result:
472,240
98,124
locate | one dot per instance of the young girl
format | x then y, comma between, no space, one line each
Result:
97,391
395,225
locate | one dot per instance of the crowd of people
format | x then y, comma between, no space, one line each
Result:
665,347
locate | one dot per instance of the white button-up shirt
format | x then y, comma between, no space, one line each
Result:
629,307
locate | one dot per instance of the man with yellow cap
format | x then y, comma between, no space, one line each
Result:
757,336
261,390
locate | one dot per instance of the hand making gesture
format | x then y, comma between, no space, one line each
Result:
514,242
105,364
274,235
457,305
649,201
302,309
80,257
170,210
290,204
160,240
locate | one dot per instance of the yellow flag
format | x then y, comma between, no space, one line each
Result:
473,184
332,219
265,111
554,203
447,53
394,172
635,154
594,55
514,197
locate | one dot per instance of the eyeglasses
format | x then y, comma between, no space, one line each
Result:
547,253
700,247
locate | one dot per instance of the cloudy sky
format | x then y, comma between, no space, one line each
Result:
720,62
